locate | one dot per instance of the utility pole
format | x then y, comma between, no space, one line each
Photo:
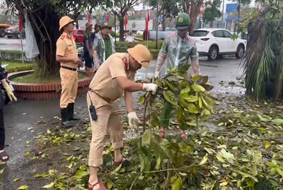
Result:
156,45
223,2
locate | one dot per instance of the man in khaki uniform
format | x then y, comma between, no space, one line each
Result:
67,55
114,78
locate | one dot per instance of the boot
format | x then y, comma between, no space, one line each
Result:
71,112
64,118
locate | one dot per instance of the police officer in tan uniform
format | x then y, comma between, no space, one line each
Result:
114,78
67,55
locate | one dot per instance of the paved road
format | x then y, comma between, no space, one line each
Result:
21,117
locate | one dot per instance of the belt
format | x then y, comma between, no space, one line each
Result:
69,68
106,99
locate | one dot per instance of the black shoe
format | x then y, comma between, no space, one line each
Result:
71,112
64,118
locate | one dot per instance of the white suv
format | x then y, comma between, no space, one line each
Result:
212,42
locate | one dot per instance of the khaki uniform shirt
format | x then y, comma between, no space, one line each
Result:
66,47
104,82
176,52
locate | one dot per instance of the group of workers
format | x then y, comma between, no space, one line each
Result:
115,74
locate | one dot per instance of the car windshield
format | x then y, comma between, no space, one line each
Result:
200,33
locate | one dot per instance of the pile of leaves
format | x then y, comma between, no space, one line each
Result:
245,152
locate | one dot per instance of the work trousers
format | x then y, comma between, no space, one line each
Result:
2,130
109,117
69,82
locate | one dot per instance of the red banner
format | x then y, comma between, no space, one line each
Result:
88,17
107,17
20,22
147,23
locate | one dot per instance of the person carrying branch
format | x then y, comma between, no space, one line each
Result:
114,78
178,50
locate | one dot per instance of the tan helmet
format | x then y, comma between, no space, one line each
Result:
141,54
64,21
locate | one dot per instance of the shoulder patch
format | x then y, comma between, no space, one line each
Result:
62,37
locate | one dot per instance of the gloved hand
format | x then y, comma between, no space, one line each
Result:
134,121
10,94
150,87
156,75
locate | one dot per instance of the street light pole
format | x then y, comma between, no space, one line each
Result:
156,45
223,11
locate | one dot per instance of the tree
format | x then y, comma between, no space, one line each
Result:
212,11
44,17
120,8
133,25
165,8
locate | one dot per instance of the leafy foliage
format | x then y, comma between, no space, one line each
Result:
212,12
188,97
263,64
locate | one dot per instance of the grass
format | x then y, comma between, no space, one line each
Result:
15,67
33,78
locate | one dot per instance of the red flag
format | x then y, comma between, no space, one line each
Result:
126,23
88,17
20,22
107,17
147,23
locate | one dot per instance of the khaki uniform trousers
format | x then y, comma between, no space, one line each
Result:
109,117
69,82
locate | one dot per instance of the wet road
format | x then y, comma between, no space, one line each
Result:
21,117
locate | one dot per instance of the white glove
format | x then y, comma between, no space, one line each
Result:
150,87
134,121
156,75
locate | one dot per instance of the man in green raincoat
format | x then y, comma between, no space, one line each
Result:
178,50
103,45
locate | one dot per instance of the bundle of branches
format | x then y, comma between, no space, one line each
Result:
263,66
188,97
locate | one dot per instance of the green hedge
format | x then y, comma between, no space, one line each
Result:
150,44
16,67
114,35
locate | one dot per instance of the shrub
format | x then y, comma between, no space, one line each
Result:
150,44
16,67
13,56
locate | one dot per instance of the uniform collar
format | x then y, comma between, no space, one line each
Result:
68,36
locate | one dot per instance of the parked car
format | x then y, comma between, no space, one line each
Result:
79,35
161,34
14,32
212,42
3,27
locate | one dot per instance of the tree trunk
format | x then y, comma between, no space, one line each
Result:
192,10
45,23
122,30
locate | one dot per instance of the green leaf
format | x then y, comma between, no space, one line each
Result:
264,117
191,98
2,171
146,138
186,90
17,179
177,184
204,160
24,187
193,109
41,175
48,186
141,100
277,121
198,88
170,97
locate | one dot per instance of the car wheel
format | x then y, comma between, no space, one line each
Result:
240,51
213,53
2,33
